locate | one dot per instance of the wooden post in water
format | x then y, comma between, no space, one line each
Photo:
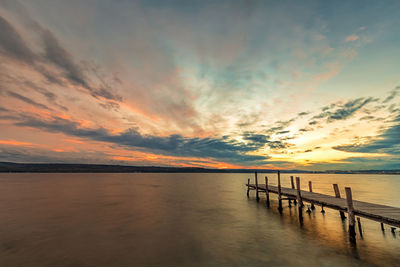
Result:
310,188
350,214
359,226
257,196
279,192
299,200
248,187
266,190
292,182
337,194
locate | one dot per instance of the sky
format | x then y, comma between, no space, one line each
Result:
311,85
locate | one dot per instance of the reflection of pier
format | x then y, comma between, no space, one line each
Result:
381,213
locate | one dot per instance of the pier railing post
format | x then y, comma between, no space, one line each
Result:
266,190
292,183
279,192
337,195
299,200
257,196
350,213
310,188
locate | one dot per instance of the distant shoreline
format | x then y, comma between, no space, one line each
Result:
11,167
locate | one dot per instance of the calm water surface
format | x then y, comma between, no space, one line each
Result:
182,220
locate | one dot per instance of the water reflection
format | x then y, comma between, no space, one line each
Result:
178,220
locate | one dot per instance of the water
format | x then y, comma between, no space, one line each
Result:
182,220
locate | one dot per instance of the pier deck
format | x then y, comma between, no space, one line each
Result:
381,213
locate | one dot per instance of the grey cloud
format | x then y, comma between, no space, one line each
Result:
283,132
387,142
37,155
303,113
367,118
336,112
307,129
277,145
177,145
60,57
280,126
349,109
27,100
257,140
51,97
392,95
56,54
12,44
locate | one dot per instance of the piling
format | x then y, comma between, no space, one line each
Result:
248,187
299,200
337,194
381,213
350,214
255,176
266,190
292,183
310,188
279,192
359,226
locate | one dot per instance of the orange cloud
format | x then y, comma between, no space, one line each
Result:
15,143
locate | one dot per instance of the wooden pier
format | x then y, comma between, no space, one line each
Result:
380,213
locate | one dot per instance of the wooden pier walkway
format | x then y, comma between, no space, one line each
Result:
380,213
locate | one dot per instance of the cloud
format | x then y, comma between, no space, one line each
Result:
60,57
27,100
307,129
303,114
177,145
57,55
349,109
256,140
387,142
352,38
338,111
12,44
392,95
277,144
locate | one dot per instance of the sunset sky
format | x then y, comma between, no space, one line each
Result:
311,85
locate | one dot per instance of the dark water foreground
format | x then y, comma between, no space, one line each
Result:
182,220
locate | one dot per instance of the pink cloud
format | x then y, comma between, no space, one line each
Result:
352,38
